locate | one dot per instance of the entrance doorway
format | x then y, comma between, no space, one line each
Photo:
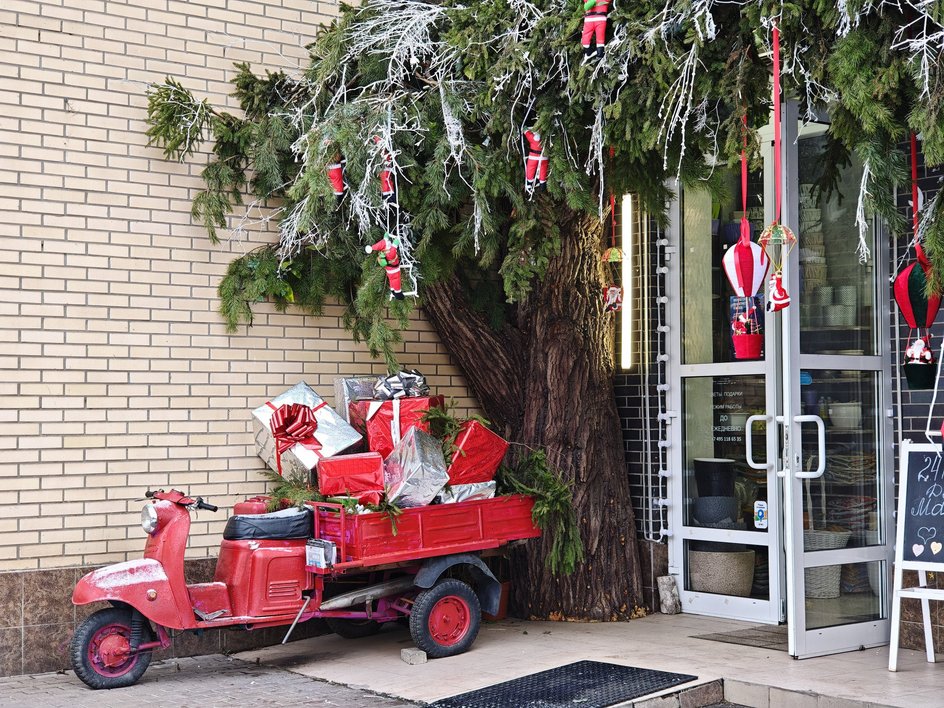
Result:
782,472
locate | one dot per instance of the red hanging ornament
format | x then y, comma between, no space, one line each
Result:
388,184
593,37
612,298
389,257
337,178
535,167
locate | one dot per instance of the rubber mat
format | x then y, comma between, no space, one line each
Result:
762,636
585,684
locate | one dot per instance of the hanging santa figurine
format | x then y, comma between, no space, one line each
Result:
594,28
336,176
535,166
388,187
389,257
778,298
919,352
612,298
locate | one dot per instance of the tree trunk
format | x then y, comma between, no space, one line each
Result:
549,382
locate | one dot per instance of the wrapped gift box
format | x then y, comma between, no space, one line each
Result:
350,474
306,430
466,492
415,472
386,422
478,454
352,389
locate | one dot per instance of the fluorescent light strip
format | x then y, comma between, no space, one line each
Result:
627,229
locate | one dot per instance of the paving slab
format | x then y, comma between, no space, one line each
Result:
199,682
512,648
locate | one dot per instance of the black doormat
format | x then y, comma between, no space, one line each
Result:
763,636
583,684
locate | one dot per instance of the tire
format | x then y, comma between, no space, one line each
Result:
108,630
351,628
445,619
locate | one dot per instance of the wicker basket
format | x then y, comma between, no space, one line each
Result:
823,583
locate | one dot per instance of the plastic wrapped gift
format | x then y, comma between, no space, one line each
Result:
415,472
297,428
478,454
466,492
350,474
352,389
385,422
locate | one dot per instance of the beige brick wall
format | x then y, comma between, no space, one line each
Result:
116,373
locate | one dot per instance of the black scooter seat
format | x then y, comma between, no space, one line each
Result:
279,525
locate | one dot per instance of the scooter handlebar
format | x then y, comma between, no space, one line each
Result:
203,505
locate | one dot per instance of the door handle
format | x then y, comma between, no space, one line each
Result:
748,429
821,440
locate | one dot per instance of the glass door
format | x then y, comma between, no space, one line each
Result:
725,512
837,467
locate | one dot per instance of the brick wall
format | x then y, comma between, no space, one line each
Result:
117,373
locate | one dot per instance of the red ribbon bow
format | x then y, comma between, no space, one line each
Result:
293,424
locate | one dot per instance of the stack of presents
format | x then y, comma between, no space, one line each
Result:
375,442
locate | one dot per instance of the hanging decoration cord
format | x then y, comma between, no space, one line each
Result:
914,185
777,186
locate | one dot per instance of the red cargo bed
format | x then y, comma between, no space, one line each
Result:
368,540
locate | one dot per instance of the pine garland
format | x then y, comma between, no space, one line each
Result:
449,87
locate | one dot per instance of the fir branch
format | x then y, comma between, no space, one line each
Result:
553,509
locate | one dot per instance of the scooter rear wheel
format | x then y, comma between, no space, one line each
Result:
101,650
445,619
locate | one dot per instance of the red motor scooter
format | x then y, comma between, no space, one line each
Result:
268,574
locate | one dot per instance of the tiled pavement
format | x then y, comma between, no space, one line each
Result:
200,682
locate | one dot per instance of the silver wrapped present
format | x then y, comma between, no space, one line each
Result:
405,384
415,472
466,492
359,388
315,431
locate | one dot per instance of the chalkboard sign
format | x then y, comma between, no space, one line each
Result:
921,505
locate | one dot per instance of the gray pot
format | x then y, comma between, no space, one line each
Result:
711,510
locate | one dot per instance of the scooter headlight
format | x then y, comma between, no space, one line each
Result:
149,518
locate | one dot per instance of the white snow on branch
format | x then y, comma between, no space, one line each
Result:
862,250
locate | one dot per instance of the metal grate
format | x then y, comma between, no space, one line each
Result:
586,684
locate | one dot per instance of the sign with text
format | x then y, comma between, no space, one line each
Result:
921,505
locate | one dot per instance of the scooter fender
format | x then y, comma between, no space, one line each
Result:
141,583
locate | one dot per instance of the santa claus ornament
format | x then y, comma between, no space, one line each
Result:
612,298
336,177
389,257
593,37
535,162
388,185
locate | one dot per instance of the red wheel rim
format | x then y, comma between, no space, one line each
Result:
449,620
109,651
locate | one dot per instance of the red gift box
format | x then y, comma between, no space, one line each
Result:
478,454
378,419
344,475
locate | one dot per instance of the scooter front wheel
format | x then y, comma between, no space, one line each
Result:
101,650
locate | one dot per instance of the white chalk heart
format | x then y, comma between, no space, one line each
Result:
936,547
917,549
926,533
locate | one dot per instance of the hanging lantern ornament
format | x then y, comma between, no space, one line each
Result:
746,265
917,309
777,238
613,256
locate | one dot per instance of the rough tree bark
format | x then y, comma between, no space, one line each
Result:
549,383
